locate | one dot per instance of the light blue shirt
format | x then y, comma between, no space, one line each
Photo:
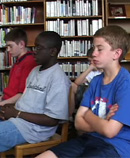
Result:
46,93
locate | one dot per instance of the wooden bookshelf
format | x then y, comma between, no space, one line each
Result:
28,15
76,40
123,19
76,25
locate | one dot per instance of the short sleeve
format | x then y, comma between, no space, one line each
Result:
57,100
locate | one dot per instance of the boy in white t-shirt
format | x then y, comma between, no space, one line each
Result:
84,79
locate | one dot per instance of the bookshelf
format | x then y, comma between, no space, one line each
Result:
74,24
118,13
73,66
76,21
28,15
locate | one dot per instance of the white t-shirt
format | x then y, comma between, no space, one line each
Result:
91,75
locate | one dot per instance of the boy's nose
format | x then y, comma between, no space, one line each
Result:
95,53
7,49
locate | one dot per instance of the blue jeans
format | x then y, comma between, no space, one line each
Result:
9,136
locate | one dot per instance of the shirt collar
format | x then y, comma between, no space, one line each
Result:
18,60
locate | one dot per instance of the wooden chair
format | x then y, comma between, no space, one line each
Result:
20,151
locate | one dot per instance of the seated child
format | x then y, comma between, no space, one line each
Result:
16,43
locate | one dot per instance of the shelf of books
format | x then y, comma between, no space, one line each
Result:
118,13
4,77
73,66
75,18
76,21
74,69
26,14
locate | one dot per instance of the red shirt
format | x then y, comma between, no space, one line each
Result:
18,75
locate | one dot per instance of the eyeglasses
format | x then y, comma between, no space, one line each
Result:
37,48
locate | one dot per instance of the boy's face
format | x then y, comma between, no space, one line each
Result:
42,52
103,55
13,48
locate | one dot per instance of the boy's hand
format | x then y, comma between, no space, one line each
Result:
2,103
92,67
8,111
112,111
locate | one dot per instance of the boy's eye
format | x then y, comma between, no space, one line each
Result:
99,50
8,47
37,48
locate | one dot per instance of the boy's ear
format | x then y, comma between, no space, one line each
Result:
22,44
53,52
118,53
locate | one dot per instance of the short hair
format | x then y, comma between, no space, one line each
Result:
90,52
116,37
53,39
16,35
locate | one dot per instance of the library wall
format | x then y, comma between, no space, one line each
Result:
75,20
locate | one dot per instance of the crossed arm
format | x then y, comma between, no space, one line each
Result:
89,122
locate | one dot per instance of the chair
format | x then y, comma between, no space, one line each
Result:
20,151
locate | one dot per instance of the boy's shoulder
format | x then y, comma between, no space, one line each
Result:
27,56
123,76
124,73
27,60
29,53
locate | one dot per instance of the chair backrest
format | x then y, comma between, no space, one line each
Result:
64,132
30,149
